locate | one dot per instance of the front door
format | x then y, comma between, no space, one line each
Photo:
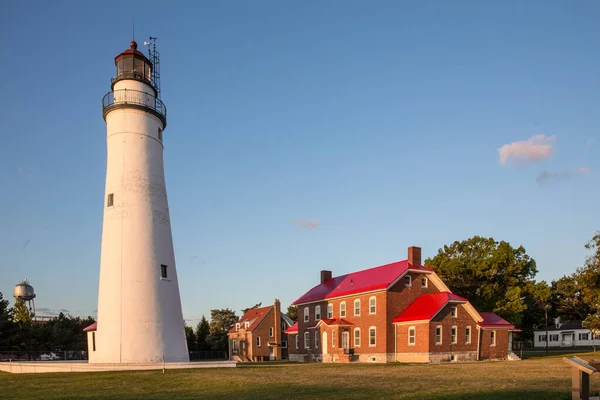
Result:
324,344
567,339
345,339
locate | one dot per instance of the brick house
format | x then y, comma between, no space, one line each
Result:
259,335
395,312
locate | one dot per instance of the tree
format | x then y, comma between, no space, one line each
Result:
542,296
245,310
7,326
492,275
190,338
567,298
22,314
202,332
221,321
590,285
292,312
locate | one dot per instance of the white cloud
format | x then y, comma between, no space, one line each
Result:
546,177
534,149
306,223
590,142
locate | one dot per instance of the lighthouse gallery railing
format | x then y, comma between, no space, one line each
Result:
136,98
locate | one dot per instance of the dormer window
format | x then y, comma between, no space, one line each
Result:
237,326
407,280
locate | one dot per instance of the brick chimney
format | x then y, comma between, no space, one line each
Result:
414,255
325,275
277,329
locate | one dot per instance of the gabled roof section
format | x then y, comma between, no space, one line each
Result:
253,317
427,306
334,321
292,329
491,320
367,280
92,327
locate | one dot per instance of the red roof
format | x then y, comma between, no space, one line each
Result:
367,280
336,321
253,316
92,327
427,305
491,320
292,329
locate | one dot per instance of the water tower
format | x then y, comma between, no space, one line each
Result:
24,292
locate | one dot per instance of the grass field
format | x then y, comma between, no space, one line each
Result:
534,378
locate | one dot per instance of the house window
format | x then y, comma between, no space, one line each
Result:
93,341
332,338
372,305
235,346
237,326
453,335
316,339
110,200
247,324
271,332
296,342
306,340
258,341
411,336
342,309
438,334
356,337
317,313
454,311
541,338
554,338
329,310
423,282
468,335
357,307
284,344
163,271
407,280
160,134
492,338
453,358
305,314
584,336
597,337
372,336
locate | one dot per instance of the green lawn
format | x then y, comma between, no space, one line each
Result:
534,378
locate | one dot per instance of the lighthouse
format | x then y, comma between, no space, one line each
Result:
139,307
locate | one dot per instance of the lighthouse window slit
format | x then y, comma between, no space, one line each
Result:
110,200
163,271
160,134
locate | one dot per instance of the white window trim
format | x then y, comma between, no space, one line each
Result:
414,335
332,338
455,330
357,301
305,314
424,283
237,326
343,315
306,340
356,330
284,344
271,332
454,311
258,341
409,284
441,335
493,339
375,336
317,313
317,333
468,337
372,306
297,339
329,310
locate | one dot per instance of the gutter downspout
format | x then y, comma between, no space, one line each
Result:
478,340
395,343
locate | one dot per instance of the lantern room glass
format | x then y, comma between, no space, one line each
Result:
130,65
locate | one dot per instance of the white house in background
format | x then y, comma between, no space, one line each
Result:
565,334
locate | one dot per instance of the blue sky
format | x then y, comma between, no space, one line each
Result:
303,136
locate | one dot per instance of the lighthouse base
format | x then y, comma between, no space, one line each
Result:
37,367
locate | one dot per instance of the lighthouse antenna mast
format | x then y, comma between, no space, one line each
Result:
154,57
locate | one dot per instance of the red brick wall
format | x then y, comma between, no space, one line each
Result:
262,330
500,350
421,338
445,319
399,297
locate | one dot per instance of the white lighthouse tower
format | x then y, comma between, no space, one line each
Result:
139,307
